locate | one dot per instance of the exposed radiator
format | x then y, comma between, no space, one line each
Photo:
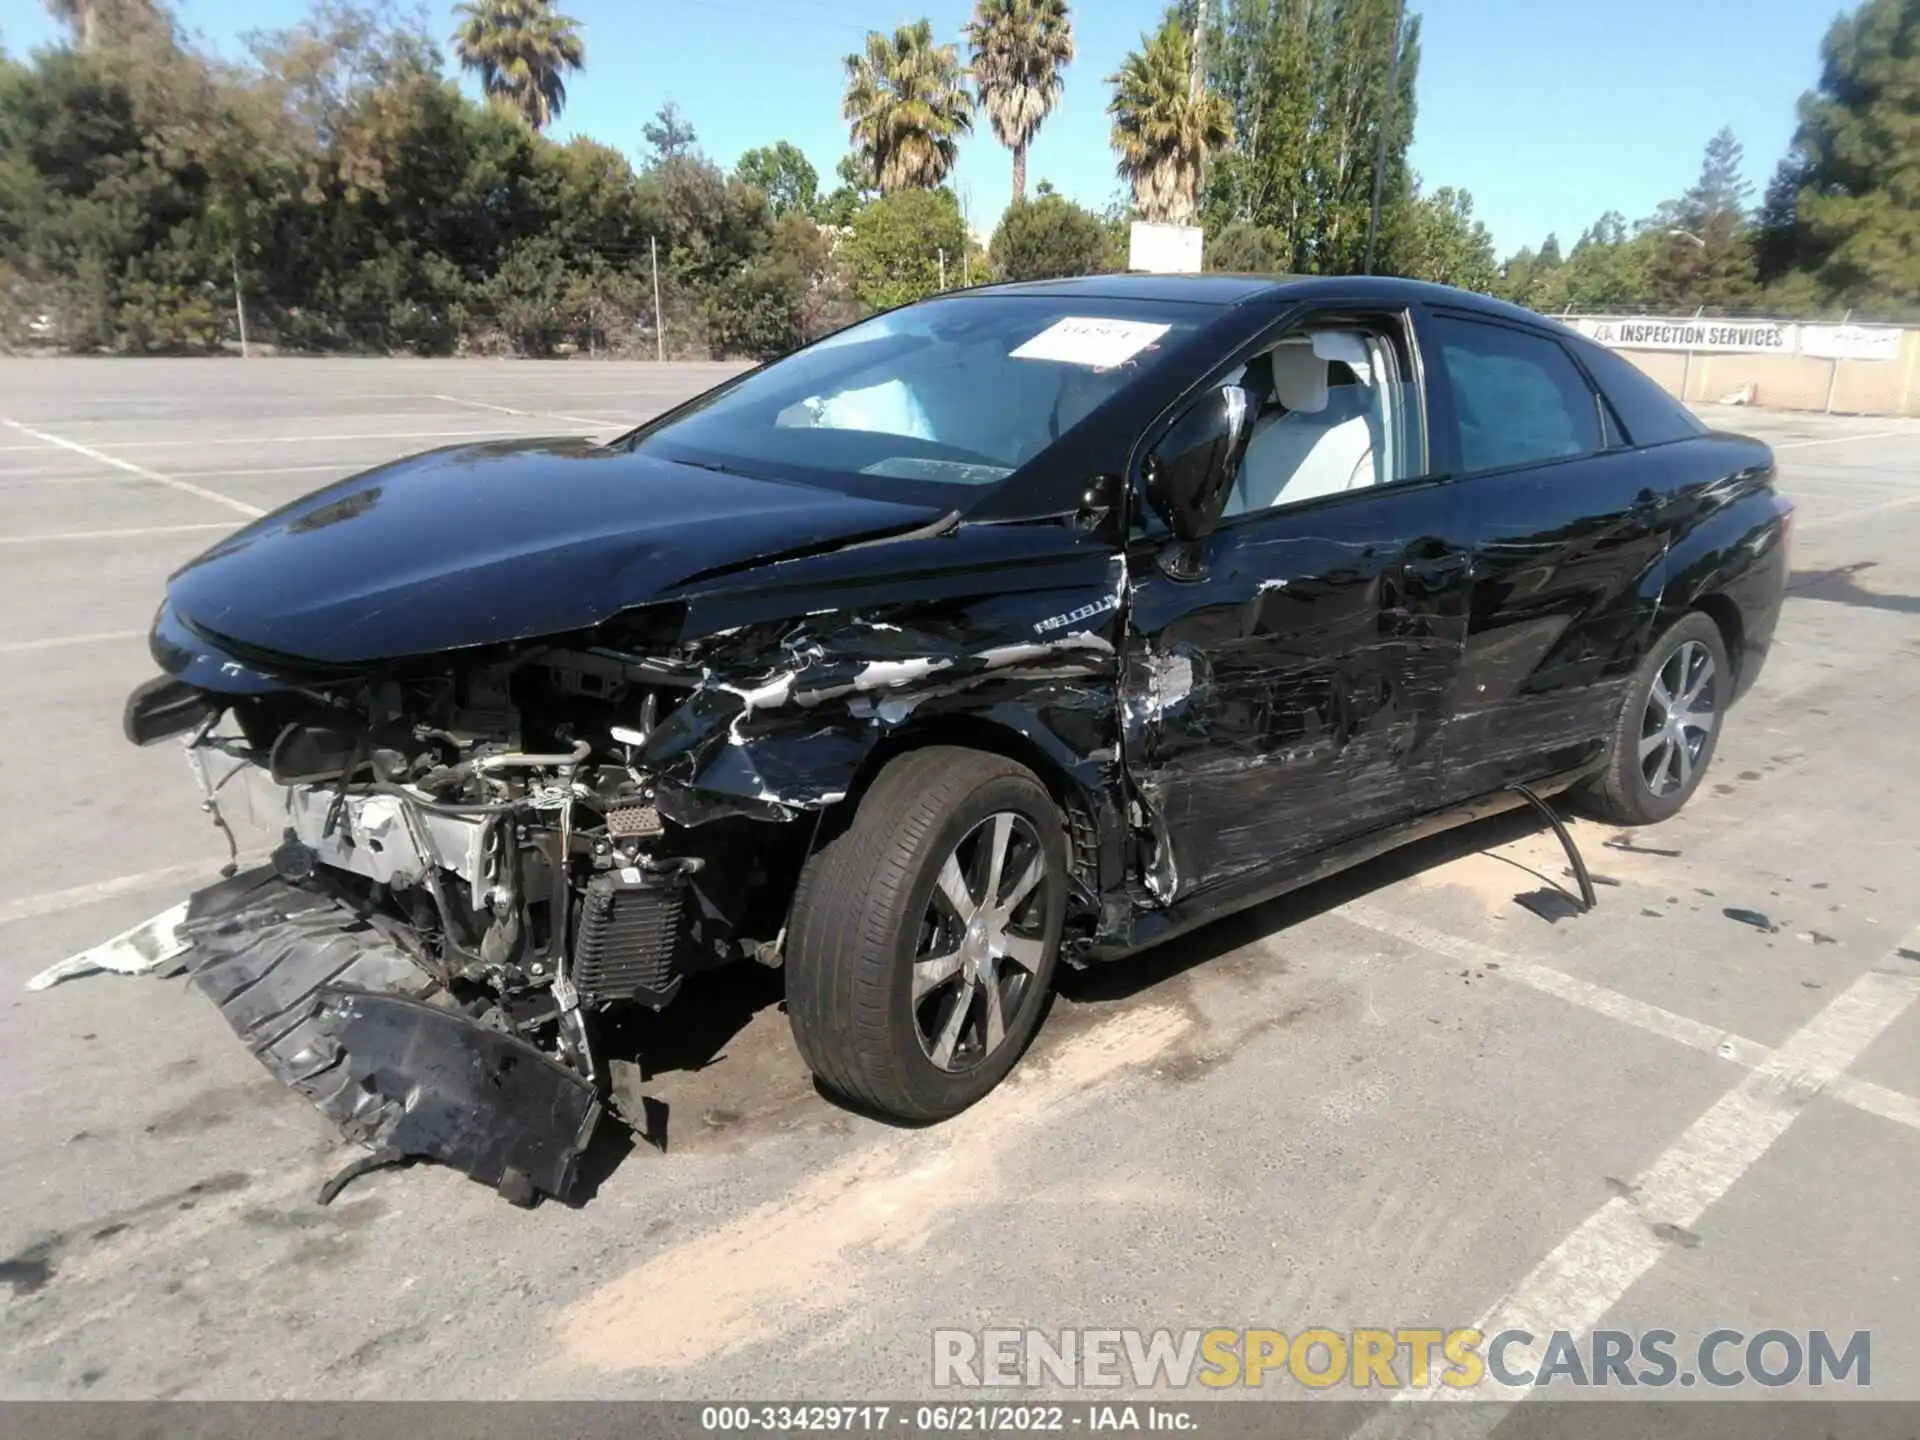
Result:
629,931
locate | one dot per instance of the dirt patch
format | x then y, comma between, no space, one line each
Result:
1201,1054
783,1264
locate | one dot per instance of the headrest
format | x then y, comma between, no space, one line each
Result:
1346,347
1299,377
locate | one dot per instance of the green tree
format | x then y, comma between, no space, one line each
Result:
97,22
1535,279
783,174
523,51
1247,249
79,16
1855,163
908,105
1041,238
1164,129
856,188
668,135
1442,242
1700,247
1019,49
1308,86
897,243
1607,268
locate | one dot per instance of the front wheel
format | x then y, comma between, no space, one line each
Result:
923,937
1668,726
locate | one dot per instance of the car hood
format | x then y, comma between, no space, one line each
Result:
507,541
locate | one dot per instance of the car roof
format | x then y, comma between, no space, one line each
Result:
1224,288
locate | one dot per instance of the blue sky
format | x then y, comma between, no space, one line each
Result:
1549,112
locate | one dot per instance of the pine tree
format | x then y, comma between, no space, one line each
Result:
1855,159
1702,243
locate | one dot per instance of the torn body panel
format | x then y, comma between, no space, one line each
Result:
338,1011
1026,641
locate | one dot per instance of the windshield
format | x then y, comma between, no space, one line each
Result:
962,391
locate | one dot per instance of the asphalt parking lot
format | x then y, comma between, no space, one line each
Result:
1400,1098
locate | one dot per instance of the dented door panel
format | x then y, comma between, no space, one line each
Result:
1294,697
1567,564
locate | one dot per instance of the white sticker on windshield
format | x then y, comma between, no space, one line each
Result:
1092,341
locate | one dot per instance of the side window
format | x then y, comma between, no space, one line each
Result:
1335,413
1519,397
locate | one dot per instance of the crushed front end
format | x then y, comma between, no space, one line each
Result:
476,854
467,864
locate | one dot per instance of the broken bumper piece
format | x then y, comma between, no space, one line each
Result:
342,1014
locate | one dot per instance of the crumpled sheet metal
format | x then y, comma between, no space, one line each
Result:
479,1100
147,947
340,1013
776,729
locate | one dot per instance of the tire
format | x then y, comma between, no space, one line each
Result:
1650,773
873,917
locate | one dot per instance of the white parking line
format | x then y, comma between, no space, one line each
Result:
53,902
1585,1275
137,534
1862,1095
1844,439
350,467
1821,522
132,469
10,479
537,414
98,637
482,432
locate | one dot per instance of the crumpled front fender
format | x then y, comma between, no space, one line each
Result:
771,740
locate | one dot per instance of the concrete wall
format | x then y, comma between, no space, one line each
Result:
1793,382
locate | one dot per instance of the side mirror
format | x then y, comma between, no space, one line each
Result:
1189,472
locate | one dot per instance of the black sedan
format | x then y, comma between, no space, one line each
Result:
1027,625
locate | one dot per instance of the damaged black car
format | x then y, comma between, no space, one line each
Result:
1025,626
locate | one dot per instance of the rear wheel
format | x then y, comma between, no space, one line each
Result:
924,936
1668,726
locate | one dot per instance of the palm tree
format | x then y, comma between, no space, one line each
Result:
908,103
1019,50
524,50
1164,126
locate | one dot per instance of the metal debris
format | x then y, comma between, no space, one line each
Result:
139,951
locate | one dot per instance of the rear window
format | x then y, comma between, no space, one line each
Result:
1518,396
1649,414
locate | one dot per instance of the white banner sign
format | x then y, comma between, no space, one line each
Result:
1766,336
1851,342
1769,337
1164,249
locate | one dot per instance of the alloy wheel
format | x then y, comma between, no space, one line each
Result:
1677,725
981,942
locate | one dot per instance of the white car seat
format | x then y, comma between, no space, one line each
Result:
1322,443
